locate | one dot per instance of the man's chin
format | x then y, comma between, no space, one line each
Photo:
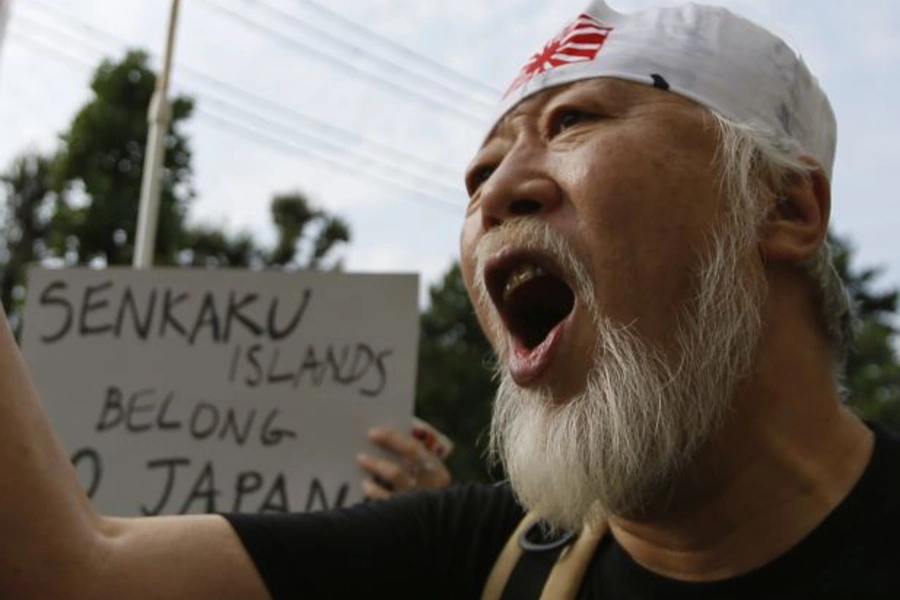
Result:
545,444
611,449
555,391
573,501
563,380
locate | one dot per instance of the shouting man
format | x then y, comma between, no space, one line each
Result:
645,248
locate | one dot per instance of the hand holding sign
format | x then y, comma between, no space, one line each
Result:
418,463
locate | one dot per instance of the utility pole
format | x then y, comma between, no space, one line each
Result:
4,20
159,116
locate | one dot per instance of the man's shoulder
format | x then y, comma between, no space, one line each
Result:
863,532
877,494
475,499
480,492
886,453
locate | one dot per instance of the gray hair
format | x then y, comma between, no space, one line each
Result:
751,160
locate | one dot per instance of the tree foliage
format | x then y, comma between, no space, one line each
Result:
28,191
100,164
873,373
79,203
298,221
456,388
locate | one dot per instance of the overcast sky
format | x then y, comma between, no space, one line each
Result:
412,137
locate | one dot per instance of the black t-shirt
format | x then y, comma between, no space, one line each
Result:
434,545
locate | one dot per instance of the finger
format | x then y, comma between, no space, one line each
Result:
382,483
386,470
374,491
424,468
432,474
405,445
426,438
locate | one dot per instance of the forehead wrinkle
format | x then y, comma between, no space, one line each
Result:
506,127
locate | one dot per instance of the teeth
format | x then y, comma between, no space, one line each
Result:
521,274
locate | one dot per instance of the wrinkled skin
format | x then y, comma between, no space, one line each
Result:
623,171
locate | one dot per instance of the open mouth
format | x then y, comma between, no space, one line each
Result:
531,297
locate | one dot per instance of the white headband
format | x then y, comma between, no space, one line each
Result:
707,54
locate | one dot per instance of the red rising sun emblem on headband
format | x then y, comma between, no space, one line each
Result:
580,41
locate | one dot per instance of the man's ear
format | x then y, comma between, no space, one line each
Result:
797,218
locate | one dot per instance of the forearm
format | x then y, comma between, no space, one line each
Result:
49,531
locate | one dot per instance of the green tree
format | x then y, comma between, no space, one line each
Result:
456,388
79,203
306,236
206,246
299,223
28,191
99,168
873,373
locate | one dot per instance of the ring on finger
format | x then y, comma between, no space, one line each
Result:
424,465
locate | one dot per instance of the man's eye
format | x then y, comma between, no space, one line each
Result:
570,117
477,178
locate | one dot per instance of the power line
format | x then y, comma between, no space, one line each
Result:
253,133
283,15
257,117
324,138
315,139
250,132
270,140
400,49
347,66
328,129
256,99
67,59
321,142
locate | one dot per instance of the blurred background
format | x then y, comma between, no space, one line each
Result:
334,135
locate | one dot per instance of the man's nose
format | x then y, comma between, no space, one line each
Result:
520,186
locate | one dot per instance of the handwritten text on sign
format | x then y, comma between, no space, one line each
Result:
180,391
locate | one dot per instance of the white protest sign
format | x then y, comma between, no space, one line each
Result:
185,391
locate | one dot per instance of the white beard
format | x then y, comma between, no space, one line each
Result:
640,421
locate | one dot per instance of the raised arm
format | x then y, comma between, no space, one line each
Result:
53,544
